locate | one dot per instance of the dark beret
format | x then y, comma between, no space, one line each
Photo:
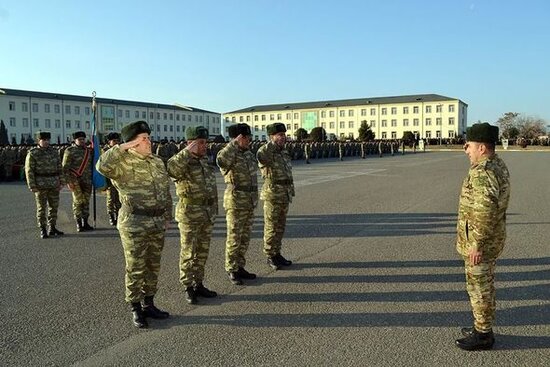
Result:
79,134
239,129
275,128
43,135
196,132
482,133
113,136
130,131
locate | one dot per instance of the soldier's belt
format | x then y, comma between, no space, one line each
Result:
52,174
283,182
199,202
252,188
147,212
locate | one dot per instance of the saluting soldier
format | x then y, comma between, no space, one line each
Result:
277,192
196,210
239,169
144,187
77,168
481,230
45,180
113,200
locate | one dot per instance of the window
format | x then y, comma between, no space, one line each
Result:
263,117
58,124
288,116
12,106
25,122
332,125
295,126
47,108
428,109
451,120
428,122
279,117
263,127
67,109
136,114
350,113
77,110
271,117
165,116
384,135
255,117
56,108
288,126
438,134
25,107
158,116
189,118
171,128
158,128
12,121
438,108
342,113
342,125
428,134
171,117
405,122
165,127
177,116
331,114
451,108
247,118
363,112
350,125
256,128
415,122
233,119
87,111
393,122
394,134
296,115
451,133
372,123
415,109
384,123
384,111
405,110
324,125
119,113
178,129
240,118
77,124
87,125
143,115
373,111
68,124
323,114
394,110
35,107
438,121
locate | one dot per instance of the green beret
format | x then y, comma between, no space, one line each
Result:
196,132
113,136
44,135
275,128
130,131
238,129
79,134
482,133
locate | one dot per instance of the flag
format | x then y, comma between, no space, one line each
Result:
98,180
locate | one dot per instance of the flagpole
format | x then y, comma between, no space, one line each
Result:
93,155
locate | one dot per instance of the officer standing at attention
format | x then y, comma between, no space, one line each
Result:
239,169
196,210
45,180
481,230
77,168
277,192
144,187
113,200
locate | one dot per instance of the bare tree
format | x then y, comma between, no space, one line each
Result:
531,127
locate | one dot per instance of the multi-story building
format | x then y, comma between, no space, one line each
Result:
26,112
426,115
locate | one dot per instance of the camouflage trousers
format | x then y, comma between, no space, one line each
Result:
195,244
142,252
113,200
81,199
239,228
47,200
274,226
480,284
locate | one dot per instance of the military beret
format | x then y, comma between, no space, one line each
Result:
113,136
482,133
239,129
44,135
130,131
275,128
79,134
196,132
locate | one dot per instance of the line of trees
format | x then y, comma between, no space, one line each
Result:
514,125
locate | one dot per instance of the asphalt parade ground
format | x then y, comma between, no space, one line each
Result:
376,280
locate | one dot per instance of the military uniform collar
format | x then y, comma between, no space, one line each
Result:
139,155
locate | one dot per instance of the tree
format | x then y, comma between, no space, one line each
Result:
301,134
408,137
3,134
530,127
507,123
365,132
318,134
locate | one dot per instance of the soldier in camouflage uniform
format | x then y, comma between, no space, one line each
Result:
196,210
277,192
238,166
481,230
113,200
77,168
163,151
45,180
144,187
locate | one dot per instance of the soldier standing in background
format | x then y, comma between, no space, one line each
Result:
144,186
45,180
196,210
163,151
113,200
77,169
238,166
277,192
481,230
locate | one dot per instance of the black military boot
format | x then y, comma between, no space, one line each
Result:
477,341
467,331
86,226
282,260
190,295
112,219
55,232
273,262
235,278
138,317
150,310
43,232
79,225
202,291
245,274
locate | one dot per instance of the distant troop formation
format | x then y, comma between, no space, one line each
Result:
139,203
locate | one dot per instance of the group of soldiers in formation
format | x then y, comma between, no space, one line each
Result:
140,205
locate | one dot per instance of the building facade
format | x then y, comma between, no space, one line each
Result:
426,115
26,112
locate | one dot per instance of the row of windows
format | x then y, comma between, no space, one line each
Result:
427,134
47,108
48,123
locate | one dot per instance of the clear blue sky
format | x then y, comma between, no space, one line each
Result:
230,54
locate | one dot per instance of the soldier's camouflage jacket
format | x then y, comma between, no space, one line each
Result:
195,187
482,209
43,169
239,169
142,182
274,163
77,164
